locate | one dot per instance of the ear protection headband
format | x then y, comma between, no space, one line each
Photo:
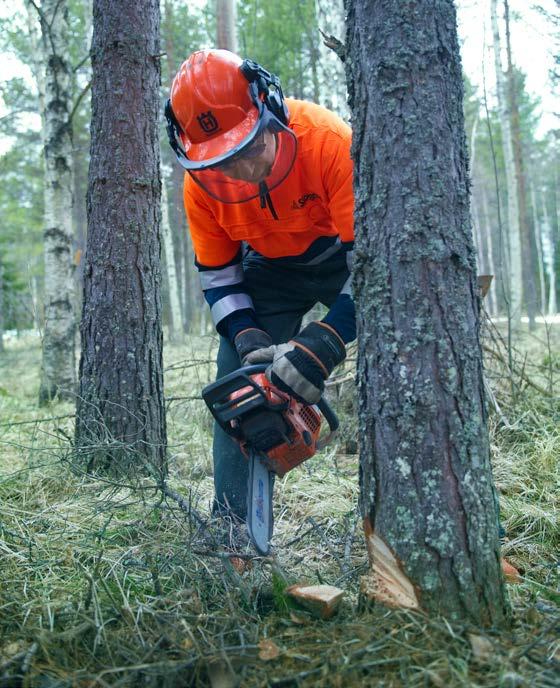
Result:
261,83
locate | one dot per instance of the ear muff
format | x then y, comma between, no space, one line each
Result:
173,129
267,85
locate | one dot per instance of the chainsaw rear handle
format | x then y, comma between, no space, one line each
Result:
216,395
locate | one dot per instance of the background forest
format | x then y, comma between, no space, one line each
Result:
107,582
284,36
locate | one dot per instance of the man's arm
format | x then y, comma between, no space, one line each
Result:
219,264
337,176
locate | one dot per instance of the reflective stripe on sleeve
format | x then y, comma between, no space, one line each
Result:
229,304
347,288
222,277
327,253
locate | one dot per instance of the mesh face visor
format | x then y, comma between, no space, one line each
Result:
211,174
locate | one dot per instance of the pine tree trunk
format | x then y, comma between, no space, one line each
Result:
176,320
332,82
537,231
121,415
58,368
1,305
528,250
427,496
177,219
226,32
492,294
515,281
549,258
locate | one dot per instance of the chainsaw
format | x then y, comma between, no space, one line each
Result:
276,433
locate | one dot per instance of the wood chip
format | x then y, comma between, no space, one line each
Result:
321,600
511,574
268,650
482,648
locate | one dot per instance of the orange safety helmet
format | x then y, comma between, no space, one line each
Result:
219,105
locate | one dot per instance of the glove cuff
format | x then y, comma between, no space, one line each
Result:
250,340
323,343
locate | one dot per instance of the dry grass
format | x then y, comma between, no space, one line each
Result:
109,586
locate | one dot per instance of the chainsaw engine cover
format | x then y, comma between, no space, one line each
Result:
285,434
264,430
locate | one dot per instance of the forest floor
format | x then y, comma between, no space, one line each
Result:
108,584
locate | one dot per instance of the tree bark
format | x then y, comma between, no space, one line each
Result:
175,319
58,366
515,285
1,304
332,84
121,415
427,496
537,231
492,294
549,258
528,250
226,31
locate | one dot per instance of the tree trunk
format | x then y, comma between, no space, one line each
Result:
527,246
515,283
549,259
177,220
427,497
492,294
332,84
121,414
537,230
226,33
58,368
175,320
1,304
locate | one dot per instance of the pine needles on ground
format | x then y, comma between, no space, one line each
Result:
111,585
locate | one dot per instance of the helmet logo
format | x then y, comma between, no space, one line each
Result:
208,123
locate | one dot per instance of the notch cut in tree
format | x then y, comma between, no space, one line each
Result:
121,415
427,495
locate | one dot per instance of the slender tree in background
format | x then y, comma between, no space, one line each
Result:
226,31
1,303
58,374
120,415
175,315
549,260
528,250
515,271
427,496
332,81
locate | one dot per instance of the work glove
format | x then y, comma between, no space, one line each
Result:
249,340
301,366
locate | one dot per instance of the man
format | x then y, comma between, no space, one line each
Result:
268,196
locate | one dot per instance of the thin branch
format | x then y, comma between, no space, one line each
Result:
335,45
79,100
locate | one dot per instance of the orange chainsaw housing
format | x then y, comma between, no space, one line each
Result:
303,425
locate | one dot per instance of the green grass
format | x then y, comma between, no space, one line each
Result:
109,586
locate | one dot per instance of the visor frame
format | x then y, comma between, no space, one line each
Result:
278,128
189,164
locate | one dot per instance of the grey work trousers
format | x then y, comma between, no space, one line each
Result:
282,295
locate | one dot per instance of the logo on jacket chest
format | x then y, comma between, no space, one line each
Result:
301,202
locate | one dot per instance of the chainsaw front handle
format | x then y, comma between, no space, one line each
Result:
216,397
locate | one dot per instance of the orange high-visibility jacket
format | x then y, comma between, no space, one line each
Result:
314,201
